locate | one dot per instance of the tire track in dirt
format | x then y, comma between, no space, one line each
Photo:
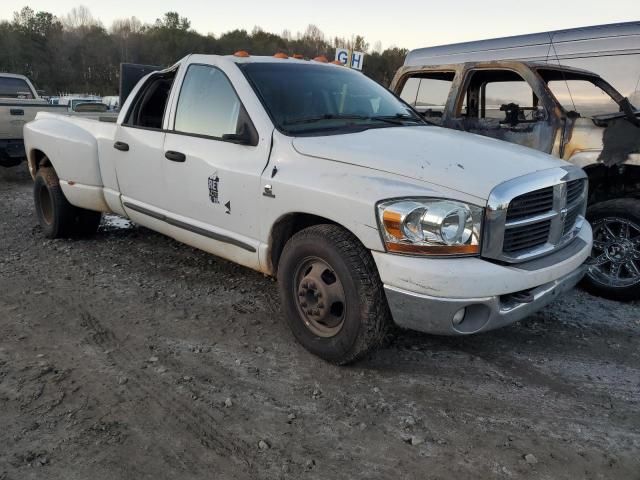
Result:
204,427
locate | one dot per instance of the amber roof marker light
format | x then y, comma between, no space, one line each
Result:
241,54
281,55
321,59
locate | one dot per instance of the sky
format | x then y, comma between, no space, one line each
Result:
407,24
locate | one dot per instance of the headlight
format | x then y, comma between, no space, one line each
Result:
430,226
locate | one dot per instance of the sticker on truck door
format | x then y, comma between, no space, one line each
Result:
214,182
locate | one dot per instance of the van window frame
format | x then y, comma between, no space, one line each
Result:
544,97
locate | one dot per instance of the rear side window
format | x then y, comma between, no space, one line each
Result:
428,93
208,104
150,104
15,88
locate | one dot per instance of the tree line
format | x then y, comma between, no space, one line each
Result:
76,53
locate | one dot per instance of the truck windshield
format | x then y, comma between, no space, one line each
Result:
303,99
14,88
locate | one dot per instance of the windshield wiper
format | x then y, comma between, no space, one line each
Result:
398,118
328,116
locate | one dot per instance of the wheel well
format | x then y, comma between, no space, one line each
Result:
37,159
619,181
285,228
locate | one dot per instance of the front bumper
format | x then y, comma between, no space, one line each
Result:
435,315
426,294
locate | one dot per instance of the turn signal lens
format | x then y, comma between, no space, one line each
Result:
431,226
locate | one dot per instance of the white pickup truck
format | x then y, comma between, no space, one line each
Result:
19,104
317,175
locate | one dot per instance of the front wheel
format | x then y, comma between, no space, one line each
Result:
614,270
332,295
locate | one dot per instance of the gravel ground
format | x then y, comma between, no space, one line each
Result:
132,356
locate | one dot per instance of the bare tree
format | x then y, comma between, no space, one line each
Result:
315,37
79,18
123,27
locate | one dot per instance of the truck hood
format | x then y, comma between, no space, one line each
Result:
455,160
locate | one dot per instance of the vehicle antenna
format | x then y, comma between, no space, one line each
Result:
555,52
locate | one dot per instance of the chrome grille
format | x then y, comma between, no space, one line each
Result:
529,236
531,204
521,225
574,190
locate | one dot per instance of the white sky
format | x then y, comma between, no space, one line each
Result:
409,24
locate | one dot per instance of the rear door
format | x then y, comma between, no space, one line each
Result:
138,146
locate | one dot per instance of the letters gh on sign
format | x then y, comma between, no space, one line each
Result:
350,59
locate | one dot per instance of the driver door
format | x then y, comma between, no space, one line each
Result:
212,163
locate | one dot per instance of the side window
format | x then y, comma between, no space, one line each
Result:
583,97
499,98
499,94
148,108
428,92
432,95
208,104
409,92
15,88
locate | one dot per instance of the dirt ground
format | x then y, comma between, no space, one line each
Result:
130,356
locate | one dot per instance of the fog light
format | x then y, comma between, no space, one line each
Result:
458,318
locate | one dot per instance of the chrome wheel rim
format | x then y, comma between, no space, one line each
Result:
615,259
320,297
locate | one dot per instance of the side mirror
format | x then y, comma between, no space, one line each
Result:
246,136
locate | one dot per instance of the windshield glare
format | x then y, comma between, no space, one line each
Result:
305,98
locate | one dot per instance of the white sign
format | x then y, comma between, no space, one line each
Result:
357,59
342,55
350,59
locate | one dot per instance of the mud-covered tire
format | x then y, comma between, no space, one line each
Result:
57,217
365,314
616,251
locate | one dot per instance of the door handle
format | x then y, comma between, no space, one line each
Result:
17,112
123,147
175,156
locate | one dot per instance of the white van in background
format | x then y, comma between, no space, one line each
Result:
611,51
